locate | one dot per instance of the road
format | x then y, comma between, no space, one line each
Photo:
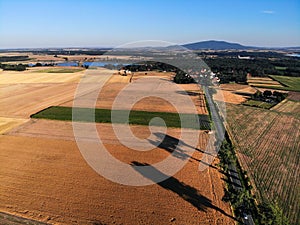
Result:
220,132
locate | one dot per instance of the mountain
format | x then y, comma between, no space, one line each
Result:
215,45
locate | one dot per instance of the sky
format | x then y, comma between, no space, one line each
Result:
110,23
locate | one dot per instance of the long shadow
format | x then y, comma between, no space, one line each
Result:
190,93
227,180
172,145
212,166
183,190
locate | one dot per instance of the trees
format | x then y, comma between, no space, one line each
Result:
19,67
183,78
271,214
267,93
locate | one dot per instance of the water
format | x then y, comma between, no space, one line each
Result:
67,64
293,55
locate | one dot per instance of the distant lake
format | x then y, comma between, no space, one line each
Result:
67,64
294,55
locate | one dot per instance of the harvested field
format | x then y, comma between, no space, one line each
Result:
33,76
268,144
264,82
152,85
22,100
288,106
294,96
230,97
44,177
56,185
143,74
60,70
233,86
246,91
7,124
25,93
231,93
236,93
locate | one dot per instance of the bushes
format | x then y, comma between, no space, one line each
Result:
18,67
271,214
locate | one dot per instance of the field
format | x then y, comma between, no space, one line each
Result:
290,83
235,93
288,106
260,104
60,70
36,75
8,123
44,177
264,82
268,144
135,117
154,82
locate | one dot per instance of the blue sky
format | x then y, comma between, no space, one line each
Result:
54,23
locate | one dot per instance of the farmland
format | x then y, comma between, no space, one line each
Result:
135,117
60,70
260,104
288,106
290,83
44,177
267,144
264,82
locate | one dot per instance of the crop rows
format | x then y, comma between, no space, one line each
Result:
268,146
288,106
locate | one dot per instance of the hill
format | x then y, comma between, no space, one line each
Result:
215,45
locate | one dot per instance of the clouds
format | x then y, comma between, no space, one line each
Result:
268,12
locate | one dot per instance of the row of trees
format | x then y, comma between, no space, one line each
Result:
16,67
14,58
269,95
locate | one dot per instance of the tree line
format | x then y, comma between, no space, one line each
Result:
236,70
15,67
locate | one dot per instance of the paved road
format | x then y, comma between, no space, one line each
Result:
220,131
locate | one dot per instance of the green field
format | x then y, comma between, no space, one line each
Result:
135,117
280,68
60,70
259,104
290,83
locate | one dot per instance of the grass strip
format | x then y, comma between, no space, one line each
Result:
120,116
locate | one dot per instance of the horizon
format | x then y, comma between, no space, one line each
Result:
150,46
106,24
